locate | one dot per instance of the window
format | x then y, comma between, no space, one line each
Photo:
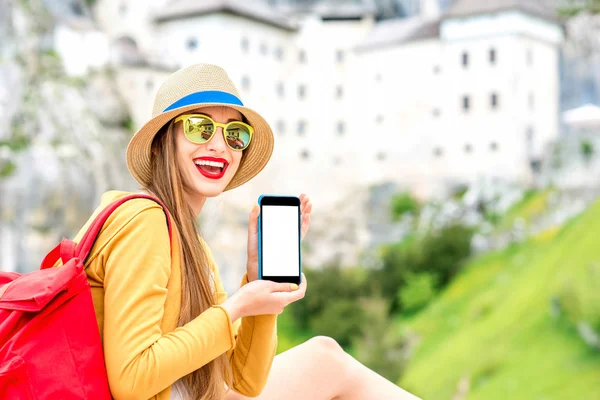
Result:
468,148
531,101
304,154
76,8
529,137
279,53
339,56
341,128
280,89
379,118
494,147
281,127
301,128
245,82
466,103
263,48
494,100
302,56
438,152
492,56
339,91
301,92
380,156
465,59
245,43
192,44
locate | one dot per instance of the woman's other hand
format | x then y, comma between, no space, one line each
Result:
252,263
263,297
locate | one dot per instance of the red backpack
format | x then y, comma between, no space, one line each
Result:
50,345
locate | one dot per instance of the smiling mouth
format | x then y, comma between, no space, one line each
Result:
211,168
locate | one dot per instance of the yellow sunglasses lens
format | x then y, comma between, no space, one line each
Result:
198,129
238,135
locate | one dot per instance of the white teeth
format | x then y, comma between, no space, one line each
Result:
210,163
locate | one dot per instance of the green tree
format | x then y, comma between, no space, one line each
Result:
404,203
418,291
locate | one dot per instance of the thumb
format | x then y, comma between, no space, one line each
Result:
283,287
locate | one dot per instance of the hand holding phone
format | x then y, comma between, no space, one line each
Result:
279,235
263,297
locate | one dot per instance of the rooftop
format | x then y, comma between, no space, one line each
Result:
465,8
179,9
401,30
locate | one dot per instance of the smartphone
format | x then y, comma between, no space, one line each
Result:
279,255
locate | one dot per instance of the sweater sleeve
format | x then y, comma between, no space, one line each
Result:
141,361
255,344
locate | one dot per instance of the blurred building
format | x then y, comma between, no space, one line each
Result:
425,93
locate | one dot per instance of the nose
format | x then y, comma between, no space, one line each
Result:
217,143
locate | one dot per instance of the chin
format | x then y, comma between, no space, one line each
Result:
208,189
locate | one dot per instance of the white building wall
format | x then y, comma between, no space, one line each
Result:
130,18
399,103
400,93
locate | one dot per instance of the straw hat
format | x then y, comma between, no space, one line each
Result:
199,85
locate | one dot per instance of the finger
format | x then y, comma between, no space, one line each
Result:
305,224
303,283
253,220
303,201
308,207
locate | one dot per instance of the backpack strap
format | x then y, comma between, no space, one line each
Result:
67,249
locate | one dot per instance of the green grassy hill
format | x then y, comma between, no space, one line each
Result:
496,330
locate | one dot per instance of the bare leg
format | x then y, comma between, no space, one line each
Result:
319,369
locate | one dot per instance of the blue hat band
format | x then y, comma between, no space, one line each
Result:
208,96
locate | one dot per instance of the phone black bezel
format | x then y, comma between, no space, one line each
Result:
290,202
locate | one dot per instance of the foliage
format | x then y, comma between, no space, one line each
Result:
18,141
533,204
7,168
128,124
493,326
579,297
341,319
331,308
459,192
289,333
445,251
570,10
419,290
404,203
380,347
587,150
441,254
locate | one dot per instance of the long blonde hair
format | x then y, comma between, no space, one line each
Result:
206,383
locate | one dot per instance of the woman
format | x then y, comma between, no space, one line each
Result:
168,329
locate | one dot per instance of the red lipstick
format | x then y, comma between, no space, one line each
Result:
211,171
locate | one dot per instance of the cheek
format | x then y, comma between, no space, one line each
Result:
236,157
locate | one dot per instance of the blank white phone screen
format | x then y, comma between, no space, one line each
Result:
280,246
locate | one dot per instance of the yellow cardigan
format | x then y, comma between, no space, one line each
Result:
136,289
